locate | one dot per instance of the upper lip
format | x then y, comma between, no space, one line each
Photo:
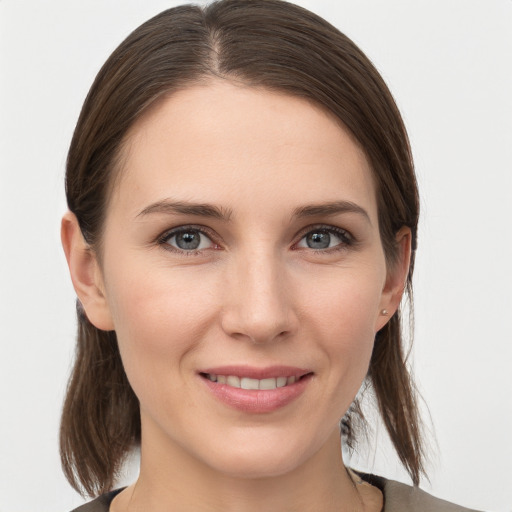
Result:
257,373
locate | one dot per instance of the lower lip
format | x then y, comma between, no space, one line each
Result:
257,401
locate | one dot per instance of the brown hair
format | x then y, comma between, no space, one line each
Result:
266,43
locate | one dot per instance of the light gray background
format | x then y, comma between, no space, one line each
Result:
448,63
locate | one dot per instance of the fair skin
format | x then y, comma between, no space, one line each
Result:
281,274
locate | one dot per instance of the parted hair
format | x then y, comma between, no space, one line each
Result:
263,43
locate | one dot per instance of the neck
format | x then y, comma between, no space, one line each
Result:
172,479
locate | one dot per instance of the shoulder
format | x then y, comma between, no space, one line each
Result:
400,497
100,504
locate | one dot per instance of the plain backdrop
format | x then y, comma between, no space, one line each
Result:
449,66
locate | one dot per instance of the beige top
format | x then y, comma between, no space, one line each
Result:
398,497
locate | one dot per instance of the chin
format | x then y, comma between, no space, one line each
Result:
257,466
265,456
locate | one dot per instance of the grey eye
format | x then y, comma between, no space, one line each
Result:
189,240
320,240
324,239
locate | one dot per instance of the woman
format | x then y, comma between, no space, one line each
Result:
242,226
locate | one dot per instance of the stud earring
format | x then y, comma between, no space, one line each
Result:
384,312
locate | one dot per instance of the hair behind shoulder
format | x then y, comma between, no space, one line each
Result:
263,43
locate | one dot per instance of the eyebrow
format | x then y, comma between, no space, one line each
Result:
168,206
331,208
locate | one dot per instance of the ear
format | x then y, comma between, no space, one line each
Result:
85,274
396,279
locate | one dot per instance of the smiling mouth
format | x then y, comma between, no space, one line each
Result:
249,383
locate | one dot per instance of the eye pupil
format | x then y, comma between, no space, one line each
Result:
318,240
188,240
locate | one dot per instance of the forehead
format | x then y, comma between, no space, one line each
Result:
208,141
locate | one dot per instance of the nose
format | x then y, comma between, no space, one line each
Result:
258,305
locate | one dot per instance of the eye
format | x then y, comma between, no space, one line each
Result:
187,239
325,238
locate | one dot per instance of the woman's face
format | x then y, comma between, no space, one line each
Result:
241,248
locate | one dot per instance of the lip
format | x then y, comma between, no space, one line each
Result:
258,373
257,401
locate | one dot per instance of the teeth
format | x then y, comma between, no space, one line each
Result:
248,383
268,384
233,381
281,381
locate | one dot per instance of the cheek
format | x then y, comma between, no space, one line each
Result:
159,317
347,303
342,314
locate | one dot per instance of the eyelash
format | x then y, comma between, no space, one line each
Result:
347,239
163,240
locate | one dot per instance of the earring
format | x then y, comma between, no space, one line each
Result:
384,312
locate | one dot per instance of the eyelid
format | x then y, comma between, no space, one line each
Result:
340,232
164,237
